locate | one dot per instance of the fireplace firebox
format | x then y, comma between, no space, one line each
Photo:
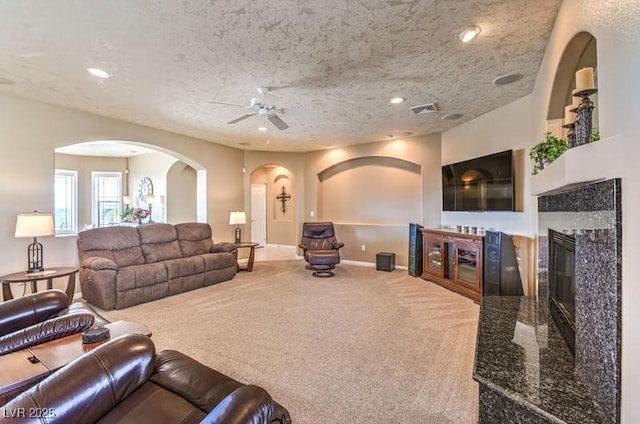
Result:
562,285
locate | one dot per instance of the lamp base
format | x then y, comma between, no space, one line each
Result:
238,235
34,257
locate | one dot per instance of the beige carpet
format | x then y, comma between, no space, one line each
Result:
364,347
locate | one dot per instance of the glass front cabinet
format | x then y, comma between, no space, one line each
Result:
454,260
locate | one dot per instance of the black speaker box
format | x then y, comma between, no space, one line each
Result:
415,250
385,261
501,273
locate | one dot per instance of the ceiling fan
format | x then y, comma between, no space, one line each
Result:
260,108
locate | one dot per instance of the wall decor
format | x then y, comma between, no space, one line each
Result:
283,197
145,188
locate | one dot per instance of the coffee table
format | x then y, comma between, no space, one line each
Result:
48,274
24,368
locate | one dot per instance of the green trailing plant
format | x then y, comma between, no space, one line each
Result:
547,151
595,134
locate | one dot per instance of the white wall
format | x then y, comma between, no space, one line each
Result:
509,127
155,166
29,133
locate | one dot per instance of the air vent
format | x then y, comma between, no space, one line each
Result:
426,108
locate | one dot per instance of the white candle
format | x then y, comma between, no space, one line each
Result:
569,117
575,100
584,79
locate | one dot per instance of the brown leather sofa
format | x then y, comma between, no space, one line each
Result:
41,317
124,266
124,381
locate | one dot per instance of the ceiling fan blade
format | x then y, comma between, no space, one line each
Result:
242,118
279,123
226,104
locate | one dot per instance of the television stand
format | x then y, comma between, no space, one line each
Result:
454,260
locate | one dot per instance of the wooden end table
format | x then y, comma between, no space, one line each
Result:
24,368
251,245
48,274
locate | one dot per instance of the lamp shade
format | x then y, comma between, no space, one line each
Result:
236,218
149,198
126,200
34,225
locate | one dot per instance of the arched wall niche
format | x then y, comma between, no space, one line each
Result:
579,53
365,190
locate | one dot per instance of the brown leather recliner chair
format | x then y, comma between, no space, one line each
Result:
124,381
41,317
320,247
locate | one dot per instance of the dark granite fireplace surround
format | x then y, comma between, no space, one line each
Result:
525,370
592,214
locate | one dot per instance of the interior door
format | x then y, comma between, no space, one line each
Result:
259,213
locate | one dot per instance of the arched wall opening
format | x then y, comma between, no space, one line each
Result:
165,168
273,205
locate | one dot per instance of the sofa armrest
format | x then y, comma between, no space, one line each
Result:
338,245
97,263
195,382
31,309
246,404
46,331
223,247
90,386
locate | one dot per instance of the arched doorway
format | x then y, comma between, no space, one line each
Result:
273,206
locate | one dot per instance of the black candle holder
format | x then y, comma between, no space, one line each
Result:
571,134
584,116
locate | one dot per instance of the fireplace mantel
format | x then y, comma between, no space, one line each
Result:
580,165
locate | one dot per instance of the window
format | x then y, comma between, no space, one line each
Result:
66,202
107,191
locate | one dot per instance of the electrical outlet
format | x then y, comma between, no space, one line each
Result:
363,248
312,213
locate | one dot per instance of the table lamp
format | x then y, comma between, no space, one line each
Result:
237,218
34,225
149,198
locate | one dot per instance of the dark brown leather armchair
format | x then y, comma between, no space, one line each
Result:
124,381
320,247
41,317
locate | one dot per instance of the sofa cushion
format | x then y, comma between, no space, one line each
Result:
214,261
136,276
194,238
119,244
184,266
159,242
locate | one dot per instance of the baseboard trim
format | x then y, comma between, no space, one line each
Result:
369,264
281,246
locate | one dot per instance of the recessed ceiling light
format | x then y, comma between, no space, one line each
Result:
470,33
406,133
244,143
389,136
451,116
6,81
263,129
507,79
397,100
98,73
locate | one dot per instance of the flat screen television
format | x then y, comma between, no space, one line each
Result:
481,184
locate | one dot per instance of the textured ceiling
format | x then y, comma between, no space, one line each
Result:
333,64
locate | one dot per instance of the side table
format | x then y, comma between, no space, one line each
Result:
48,274
251,245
